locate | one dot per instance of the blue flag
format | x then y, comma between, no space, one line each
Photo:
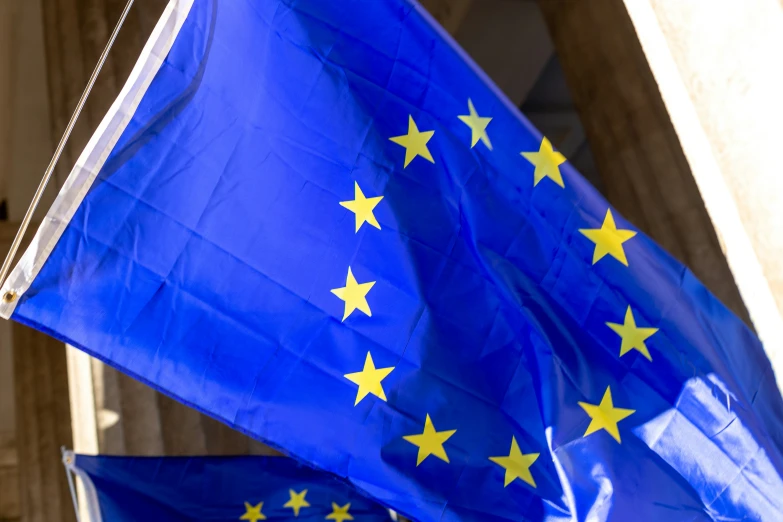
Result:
319,222
183,489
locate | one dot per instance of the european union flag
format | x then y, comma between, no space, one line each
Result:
174,489
319,222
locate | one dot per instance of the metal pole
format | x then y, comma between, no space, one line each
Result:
68,462
6,268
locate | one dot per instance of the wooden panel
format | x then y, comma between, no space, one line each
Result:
509,41
182,429
6,96
9,477
9,461
449,13
43,425
67,74
24,437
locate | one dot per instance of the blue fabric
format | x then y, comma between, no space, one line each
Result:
185,489
202,261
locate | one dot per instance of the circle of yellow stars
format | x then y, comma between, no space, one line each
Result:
254,513
608,240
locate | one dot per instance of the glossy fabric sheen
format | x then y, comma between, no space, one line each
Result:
203,257
191,489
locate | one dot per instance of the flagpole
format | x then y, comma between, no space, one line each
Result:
68,462
6,268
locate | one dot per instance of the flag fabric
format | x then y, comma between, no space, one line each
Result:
184,489
319,222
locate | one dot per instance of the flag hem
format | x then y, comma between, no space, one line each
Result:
91,494
96,153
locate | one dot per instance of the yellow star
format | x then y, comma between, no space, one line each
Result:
354,295
297,501
253,513
633,337
547,162
369,380
430,442
517,465
415,143
478,126
362,207
340,513
608,239
605,416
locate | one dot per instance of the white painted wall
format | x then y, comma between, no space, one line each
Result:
730,57
717,65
